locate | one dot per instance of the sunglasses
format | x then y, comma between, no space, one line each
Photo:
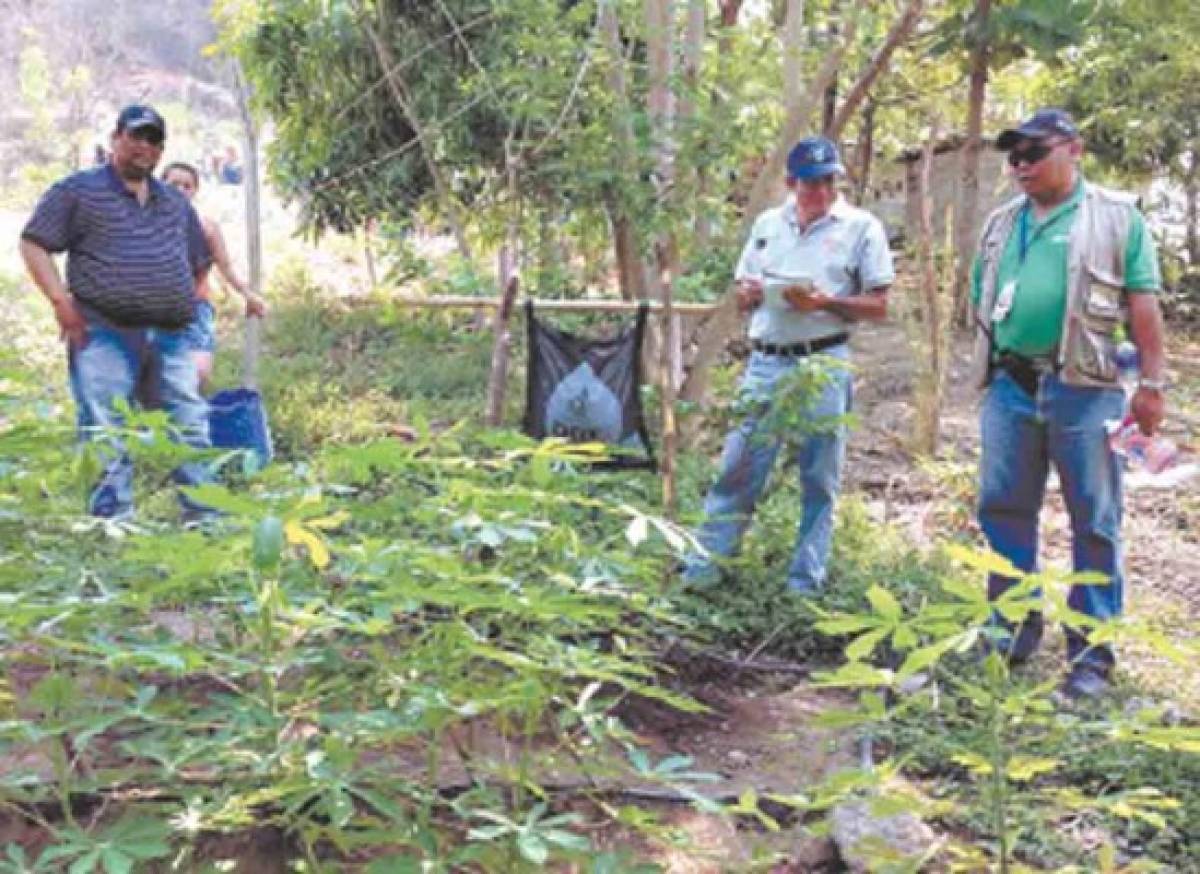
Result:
147,135
1031,154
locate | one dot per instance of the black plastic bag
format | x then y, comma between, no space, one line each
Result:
586,390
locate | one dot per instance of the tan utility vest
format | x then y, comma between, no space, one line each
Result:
1096,301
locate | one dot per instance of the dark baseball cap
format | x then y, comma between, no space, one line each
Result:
138,116
1047,122
812,158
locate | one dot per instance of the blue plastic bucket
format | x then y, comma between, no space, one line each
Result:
238,420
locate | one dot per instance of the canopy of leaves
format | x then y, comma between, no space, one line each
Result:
1015,29
1134,84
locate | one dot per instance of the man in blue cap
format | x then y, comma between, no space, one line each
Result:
1062,270
135,249
811,269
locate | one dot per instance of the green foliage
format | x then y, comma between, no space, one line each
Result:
1016,29
997,739
1134,89
323,657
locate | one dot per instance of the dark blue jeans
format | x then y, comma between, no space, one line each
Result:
106,370
1022,435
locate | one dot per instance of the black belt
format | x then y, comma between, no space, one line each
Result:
1025,371
799,350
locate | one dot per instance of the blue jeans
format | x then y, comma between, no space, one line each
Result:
747,462
202,332
1021,437
106,370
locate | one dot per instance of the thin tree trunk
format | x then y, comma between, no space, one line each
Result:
829,107
865,151
929,388
670,428
660,104
686,110
627,244
251,186
502,339
899,33
369,253
506,275
1191,191
968,206
625,252
793,51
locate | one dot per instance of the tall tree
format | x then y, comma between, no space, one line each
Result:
968,204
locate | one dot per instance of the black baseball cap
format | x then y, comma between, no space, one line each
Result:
138,116
1047,122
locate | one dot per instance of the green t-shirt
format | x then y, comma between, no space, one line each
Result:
1033,325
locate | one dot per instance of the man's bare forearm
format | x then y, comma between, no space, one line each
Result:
870,307
1146,328
43,271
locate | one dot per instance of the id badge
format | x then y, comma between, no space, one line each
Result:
1004,301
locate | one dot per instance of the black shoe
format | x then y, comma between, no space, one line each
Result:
1016,648
1085,682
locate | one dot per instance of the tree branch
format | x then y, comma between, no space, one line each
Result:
899,33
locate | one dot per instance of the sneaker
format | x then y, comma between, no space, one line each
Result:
1085,682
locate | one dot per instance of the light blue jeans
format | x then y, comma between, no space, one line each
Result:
1021,437
746,465
106,370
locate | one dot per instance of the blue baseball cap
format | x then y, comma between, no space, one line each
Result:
1046,122
812,158
138,116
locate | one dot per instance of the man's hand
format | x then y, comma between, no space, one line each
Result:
255,305
71,324
749,295
1148,407
805,298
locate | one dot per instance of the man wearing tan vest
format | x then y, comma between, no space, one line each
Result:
1059,270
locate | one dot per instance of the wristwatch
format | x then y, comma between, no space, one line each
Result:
1158,385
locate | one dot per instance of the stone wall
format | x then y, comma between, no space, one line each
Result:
892,194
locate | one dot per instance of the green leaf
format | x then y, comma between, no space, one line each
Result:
846,625
983,561
863,645
116,862
86,863
855,675
567,840
972,593
220,498
1024,768
268,543
920,659
883,602
396,865
974,763
533,848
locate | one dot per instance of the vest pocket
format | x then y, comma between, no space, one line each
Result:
1090,345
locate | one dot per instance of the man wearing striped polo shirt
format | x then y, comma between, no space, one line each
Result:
135,249
812,268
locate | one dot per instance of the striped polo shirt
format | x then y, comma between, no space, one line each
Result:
127,264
